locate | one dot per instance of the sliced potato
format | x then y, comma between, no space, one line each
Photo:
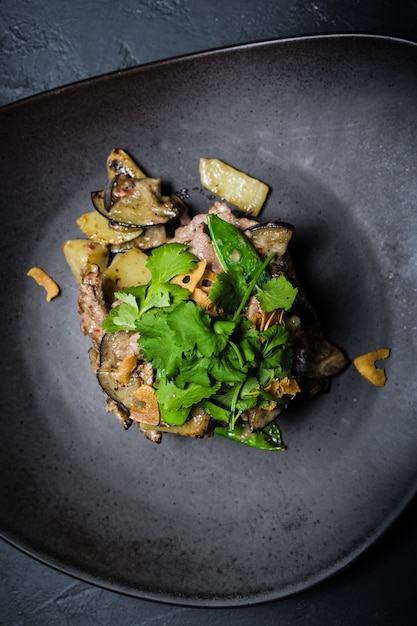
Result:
97,228
246,193
120,162
81,254
128,269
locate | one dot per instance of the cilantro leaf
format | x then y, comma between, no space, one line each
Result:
175,403
248,340
277,293
123,316
194,370
155,335
226,368
168,260
175,417
217,412
192,328
276,354
163,295
228,289
275,335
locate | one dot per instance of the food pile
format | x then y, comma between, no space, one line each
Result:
198,325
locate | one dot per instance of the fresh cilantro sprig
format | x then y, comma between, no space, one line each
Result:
221,363
277,293
164,263
231,291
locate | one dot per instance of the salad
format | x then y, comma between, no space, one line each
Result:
198,325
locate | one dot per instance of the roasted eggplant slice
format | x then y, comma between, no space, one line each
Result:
315,359
149,238
120,162
271,237
118,392
258,417
99,229
135,202
114,348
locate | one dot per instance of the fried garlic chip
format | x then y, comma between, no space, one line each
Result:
366,366
125,369
192,279
146,394
42,278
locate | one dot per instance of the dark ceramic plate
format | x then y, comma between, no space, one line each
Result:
331,124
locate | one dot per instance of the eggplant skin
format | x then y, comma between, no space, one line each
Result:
142,206
271,237
315,359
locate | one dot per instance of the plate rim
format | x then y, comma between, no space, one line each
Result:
205,53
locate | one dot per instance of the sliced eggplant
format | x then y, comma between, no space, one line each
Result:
258,417
138,205
120,162
97,228
119,412
151,237
118,392
114,347
271,237
315,359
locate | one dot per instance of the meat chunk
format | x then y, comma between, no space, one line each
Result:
224,211
196,236
92,305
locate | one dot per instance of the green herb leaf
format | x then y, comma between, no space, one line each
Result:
174,401
194,370
227,369
191,327
229,289
155,336
276,354
277,293
168,261
123,316
163,296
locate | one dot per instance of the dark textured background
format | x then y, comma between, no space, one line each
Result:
47,44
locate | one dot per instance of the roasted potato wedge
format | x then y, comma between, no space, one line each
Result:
128,269
81,254
246,193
